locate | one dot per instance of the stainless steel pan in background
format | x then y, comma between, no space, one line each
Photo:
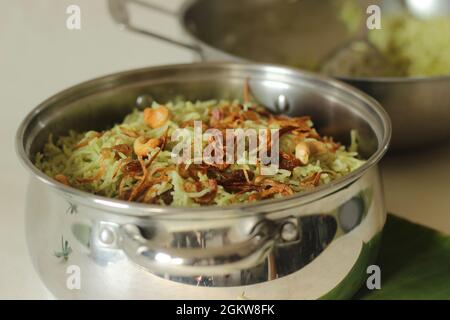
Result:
302,32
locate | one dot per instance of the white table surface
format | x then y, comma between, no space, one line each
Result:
39,56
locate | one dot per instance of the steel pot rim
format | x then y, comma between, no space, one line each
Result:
127,208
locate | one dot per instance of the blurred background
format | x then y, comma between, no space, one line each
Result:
40,56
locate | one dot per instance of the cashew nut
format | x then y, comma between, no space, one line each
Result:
304,149
302,152
142,146
157,117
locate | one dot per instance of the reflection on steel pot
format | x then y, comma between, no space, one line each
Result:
302,246
294,33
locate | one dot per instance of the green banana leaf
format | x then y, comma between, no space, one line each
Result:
414,262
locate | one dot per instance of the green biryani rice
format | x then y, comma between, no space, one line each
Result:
405,46
88,163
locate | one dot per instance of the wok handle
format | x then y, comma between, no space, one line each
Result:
120,14
198,260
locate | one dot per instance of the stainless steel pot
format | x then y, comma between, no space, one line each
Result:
311,245
300,34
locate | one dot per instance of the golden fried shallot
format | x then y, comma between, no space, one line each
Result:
289,161
313,180
143,146
137,189
62,179
198,186
129,133
270,189
132,168
122,148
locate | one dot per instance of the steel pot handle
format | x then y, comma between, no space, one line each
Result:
119,12
197,261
